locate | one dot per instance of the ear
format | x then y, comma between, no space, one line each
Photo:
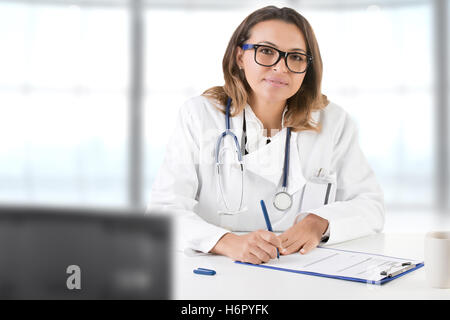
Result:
239,55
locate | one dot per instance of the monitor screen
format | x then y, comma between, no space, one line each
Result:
61,253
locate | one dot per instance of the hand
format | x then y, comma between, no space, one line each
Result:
255,247
305,235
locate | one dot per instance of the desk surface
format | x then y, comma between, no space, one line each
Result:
235,281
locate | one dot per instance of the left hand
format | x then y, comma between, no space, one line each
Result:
305,235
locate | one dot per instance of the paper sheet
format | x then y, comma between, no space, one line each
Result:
340,263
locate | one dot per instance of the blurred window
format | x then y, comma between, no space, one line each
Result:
64,89
63,92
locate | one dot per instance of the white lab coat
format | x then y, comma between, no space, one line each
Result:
186,184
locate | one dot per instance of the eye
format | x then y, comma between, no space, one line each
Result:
266,50
297,57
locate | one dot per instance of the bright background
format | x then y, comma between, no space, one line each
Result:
89,91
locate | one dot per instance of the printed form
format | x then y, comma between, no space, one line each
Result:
341,263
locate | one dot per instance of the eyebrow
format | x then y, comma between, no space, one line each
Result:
274,45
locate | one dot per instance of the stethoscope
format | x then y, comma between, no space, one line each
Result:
282,200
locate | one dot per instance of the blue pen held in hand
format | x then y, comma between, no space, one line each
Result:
269,225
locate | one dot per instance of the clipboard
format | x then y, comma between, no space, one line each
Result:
344,265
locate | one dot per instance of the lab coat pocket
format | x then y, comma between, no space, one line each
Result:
319,191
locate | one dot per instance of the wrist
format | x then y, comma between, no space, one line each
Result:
321,223
222,246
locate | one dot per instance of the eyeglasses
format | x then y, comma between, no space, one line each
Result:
268,56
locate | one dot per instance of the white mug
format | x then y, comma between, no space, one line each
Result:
437,258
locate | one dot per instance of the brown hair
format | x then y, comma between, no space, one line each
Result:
307,99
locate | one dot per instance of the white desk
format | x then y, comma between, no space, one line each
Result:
235,281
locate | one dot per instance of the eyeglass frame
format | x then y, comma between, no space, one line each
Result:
281,54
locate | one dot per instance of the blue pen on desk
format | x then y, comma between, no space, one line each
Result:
269,225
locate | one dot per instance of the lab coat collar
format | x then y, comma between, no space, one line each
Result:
251,116
268,162
315,115
256,136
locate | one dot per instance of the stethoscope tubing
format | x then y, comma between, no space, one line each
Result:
286,157
239,154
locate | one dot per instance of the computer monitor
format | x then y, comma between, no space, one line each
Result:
62,253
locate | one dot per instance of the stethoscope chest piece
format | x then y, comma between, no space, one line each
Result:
282,200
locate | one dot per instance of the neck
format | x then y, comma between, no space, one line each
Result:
270,113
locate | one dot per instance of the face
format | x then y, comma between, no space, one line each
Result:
276,83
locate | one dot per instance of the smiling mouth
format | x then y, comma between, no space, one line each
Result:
276,83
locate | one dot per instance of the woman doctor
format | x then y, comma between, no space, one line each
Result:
267,134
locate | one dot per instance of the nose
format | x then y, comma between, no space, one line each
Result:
281,65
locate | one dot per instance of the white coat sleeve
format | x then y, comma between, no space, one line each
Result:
359,207
175,187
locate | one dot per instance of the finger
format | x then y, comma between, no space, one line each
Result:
294,247
251,258
308,246
284,236
272,238
293,238
259,253
269,248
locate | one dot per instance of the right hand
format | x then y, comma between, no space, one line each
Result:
255,247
